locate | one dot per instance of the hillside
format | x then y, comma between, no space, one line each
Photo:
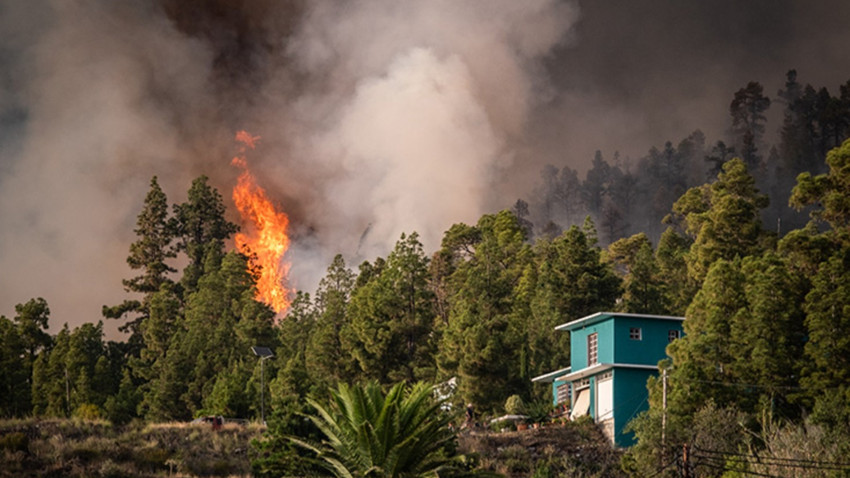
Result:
574,449
77,448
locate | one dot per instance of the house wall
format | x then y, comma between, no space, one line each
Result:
630,398
605,345
653,344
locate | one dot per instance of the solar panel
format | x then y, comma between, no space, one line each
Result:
262,352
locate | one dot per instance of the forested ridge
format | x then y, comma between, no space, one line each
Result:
687,230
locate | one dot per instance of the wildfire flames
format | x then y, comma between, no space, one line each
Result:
264,240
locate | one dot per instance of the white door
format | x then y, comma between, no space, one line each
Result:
604,399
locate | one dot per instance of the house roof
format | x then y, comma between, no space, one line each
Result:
551,376
600,316
602,367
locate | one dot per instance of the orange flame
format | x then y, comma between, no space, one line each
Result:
266,240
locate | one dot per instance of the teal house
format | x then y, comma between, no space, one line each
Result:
612,355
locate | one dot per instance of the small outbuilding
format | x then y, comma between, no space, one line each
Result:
612,354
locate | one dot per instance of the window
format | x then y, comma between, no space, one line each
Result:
592,349
634,333
563,393
672,335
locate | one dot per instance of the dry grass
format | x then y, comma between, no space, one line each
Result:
576,449
77,448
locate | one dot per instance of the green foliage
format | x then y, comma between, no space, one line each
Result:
369,433
743,338
327,360
274,453
200,229
149,255
828,191
678,286
571,280
482,343
827,309
515,405
75,372
210,351
391,318
87,411
643,284
723,219
31,320
15,372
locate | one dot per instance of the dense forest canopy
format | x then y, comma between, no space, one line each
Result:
367,124
768,309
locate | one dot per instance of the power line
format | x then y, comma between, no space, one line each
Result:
724,467
740,384
778,461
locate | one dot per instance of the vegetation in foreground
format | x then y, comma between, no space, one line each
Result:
96,448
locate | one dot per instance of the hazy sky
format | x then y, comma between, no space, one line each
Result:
387,115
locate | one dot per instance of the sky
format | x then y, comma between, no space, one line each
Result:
376,117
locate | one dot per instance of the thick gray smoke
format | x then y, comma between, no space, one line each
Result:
377,117
395,114
417,109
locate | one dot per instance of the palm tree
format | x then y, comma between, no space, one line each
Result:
368,434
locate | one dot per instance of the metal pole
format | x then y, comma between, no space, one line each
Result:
262,391
663,417
67,394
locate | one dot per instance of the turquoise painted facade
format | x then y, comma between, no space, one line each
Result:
611,357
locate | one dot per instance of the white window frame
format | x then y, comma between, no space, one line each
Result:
673,334
636,333
592,349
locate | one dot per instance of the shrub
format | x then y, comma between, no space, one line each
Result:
88,411
514,405
15,441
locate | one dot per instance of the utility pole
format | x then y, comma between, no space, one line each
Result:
663,417
264,353
67,393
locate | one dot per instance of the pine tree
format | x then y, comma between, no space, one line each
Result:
210,349
149,254
829,192
15,374
327,360
827,309
200,227
769,335
480,345
392,318
748,121
702,359
723,219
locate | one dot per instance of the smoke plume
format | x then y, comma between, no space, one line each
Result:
395,114
377,117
